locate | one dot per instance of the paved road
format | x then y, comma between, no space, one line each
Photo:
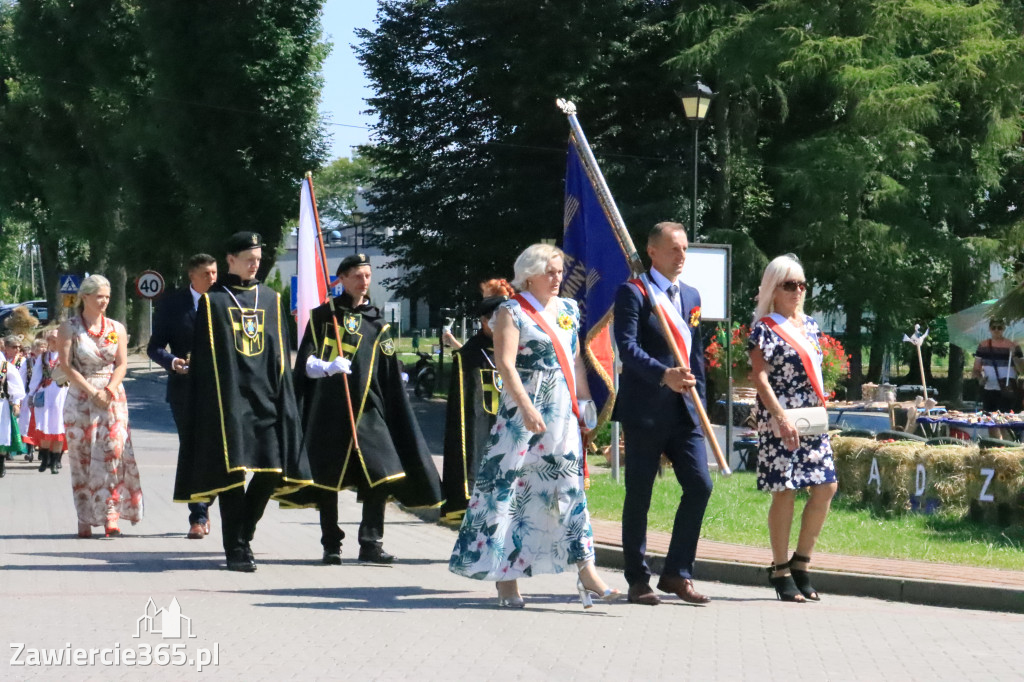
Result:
297,619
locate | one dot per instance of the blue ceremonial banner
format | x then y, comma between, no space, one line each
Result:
595,266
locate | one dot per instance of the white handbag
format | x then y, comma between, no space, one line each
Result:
809,421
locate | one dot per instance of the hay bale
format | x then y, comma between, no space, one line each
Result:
995,485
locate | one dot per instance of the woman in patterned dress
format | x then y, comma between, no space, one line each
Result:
94,352
528,512
788,462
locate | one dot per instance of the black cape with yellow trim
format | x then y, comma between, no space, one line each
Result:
392,451
472,409
241,413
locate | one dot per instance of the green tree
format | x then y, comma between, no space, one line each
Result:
884,129
139,133
470,148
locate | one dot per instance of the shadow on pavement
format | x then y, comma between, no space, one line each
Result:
140,562
411,597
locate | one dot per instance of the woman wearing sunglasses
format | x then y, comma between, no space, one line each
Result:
785,360
993,361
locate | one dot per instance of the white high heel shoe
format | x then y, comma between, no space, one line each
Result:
608,596
510,602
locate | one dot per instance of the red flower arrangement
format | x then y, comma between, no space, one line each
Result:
714,353
835,363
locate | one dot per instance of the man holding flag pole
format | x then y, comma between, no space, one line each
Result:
661,391
359,429
656,415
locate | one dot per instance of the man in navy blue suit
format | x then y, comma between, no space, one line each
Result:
658,417
173,324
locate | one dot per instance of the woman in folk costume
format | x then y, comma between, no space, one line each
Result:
26,422
12,392
22,324
94,352
528,514
48,404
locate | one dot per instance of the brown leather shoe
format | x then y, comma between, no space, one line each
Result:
641,593
682,588
206,528
196,532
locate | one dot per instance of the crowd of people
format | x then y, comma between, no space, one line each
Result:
254,428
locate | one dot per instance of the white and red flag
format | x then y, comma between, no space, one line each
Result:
310,287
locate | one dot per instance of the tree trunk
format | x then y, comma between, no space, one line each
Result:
877,356
963,287
139,331
855,347
118,309
49,254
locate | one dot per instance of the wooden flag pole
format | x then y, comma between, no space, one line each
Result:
334,313
604,195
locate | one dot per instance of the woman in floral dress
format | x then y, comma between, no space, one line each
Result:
528,512
788,462
104,476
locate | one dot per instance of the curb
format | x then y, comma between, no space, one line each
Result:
889,588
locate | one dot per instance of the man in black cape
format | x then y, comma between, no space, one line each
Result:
241,414
472,409
391,457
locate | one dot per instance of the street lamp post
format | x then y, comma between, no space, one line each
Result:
696,99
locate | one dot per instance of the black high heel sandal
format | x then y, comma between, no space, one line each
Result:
802,577
785,588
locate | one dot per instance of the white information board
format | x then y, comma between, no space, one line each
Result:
707,270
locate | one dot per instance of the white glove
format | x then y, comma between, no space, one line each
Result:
339,365
316,368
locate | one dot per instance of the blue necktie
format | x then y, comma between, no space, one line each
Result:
673,295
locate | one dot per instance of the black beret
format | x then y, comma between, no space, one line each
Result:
243,241
349,262
489,305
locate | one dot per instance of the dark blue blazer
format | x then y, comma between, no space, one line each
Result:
645,355
174,322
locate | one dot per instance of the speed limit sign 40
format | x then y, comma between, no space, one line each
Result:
150,284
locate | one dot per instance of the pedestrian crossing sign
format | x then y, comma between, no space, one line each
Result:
69,284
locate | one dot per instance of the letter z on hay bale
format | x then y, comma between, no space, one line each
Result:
909,476
995,485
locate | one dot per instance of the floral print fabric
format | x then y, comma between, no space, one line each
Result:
104,477
528,511
779,468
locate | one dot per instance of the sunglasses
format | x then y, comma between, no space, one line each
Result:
997,327
793,285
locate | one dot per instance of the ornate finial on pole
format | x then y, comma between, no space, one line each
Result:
567,107
916,340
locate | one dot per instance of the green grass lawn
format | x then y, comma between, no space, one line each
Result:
738,513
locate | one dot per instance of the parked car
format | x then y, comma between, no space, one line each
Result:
860,418
37,308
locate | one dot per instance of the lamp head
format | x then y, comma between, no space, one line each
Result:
696,100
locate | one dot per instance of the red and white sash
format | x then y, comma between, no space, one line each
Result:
810,355
532,307
677,325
